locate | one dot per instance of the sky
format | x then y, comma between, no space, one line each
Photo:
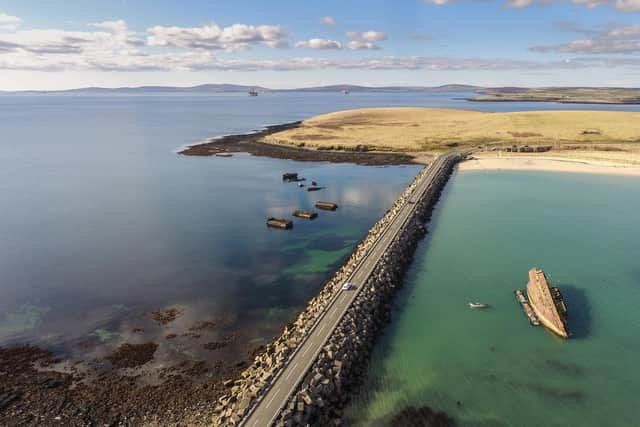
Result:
284,43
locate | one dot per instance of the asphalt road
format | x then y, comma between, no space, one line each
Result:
268,408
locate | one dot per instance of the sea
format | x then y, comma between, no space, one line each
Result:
104,227
490,367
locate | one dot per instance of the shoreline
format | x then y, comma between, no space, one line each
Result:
49,393
252,143
492,162
555,101
44,387
413,135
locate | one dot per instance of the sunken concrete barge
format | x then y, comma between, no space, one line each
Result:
305,214
326,206
308,373
281,223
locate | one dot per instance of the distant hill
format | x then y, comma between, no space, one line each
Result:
231,88
563,95
490,94
205,88
357,88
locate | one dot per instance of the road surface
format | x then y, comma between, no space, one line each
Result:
268,408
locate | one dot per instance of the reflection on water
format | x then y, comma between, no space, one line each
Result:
197,242
101,222
490,367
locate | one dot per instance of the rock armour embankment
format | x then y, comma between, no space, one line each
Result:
326,387
342,363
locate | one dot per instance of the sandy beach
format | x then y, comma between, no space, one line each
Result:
494,161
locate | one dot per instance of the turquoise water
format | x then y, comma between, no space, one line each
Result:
487,231
101,222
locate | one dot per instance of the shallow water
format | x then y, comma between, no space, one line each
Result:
487,231
101,222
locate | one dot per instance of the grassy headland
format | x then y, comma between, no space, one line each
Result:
564,95
427,129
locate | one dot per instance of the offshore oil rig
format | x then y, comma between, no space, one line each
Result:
544,304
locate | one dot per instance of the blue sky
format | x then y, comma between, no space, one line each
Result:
56,44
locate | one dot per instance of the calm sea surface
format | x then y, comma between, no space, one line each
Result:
102,223
487,231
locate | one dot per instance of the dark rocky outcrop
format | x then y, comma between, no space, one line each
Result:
132,355
422,416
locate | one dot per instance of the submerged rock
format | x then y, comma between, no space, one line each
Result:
132,355
422,416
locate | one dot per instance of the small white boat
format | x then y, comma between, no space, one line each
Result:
478,305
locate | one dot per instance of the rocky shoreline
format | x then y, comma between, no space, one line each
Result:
115,392
112,392
34,392
131,383
252,143
341,365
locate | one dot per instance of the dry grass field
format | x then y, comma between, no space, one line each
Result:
426,129
566,95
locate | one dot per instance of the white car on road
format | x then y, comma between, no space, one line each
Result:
347,286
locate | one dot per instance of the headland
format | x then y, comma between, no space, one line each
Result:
255,143
405,135
561,95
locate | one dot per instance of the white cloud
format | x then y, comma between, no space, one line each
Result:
621,5
591,3
110,45
199,60
518,4
320,44
360,45
8,22
365,40
118,26
212,36
367,36
117,40
328,20
620,40
628,5
439,2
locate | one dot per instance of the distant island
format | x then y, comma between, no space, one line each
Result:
233,88
563,95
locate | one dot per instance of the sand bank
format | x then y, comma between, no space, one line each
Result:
493,161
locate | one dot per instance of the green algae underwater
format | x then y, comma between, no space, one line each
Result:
490,367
